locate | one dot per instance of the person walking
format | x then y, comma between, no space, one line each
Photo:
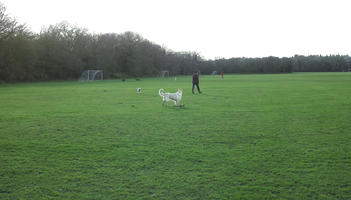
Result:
196,82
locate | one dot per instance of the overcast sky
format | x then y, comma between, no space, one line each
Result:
217,28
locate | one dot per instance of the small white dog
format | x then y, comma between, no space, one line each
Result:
176,97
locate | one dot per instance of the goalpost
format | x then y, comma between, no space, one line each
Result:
163,74
92,75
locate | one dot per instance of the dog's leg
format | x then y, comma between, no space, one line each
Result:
164,101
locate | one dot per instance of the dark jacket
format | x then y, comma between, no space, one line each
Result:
195,78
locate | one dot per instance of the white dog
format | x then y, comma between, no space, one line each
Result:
176,97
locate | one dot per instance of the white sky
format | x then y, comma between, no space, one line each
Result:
216,28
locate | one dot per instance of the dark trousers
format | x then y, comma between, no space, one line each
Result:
198,88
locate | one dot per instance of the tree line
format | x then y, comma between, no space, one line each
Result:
63,51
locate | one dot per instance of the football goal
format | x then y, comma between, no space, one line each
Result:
163,74
92,75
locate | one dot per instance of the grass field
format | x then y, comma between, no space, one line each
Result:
284,136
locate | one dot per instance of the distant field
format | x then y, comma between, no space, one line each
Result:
284,136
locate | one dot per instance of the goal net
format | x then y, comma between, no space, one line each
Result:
91,75
163,74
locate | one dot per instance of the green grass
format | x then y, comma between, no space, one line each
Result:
284,136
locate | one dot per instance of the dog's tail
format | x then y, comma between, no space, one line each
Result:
161,92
